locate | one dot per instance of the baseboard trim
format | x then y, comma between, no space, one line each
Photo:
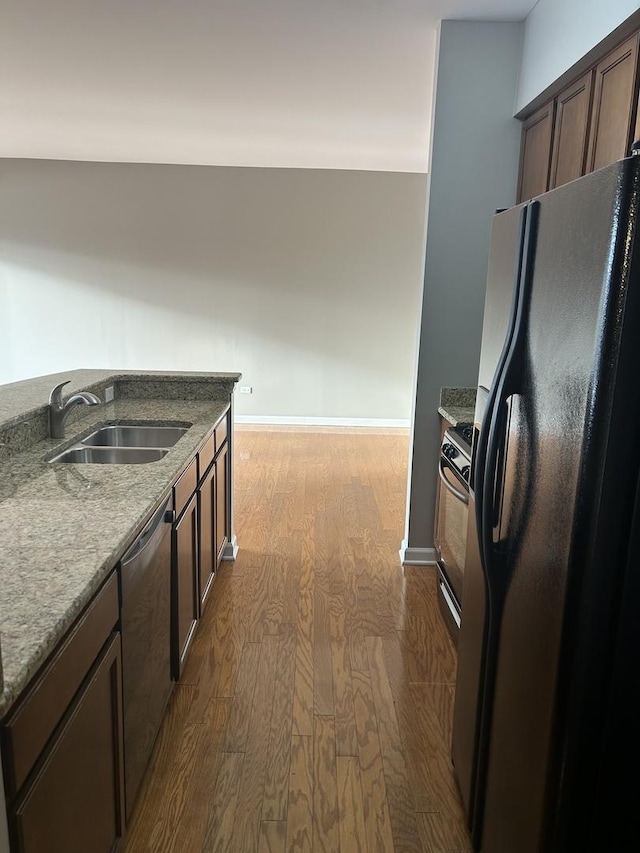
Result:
417,556
230,549
286,420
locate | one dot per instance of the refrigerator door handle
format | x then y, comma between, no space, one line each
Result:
508,384
480,458
496,500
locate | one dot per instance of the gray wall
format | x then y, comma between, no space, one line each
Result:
474,165
557,33
307,281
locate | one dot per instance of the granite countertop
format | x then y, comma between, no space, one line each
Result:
457,405
63,526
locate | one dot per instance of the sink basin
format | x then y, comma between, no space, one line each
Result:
123,444
134,436
111,455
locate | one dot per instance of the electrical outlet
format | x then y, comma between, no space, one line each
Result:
246,389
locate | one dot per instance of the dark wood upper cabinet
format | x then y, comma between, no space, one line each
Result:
587,124
614,105
571,132
535,155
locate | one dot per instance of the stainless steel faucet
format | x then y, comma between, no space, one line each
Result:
58,411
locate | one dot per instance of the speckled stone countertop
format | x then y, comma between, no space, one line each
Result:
457,405
63,527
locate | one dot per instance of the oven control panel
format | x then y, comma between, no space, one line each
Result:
457,452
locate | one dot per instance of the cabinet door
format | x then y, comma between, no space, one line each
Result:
535,154
34,720
571,131
222,500
185,583
613,105
75,802
207,528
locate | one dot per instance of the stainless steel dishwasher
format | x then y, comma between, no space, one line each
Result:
146,624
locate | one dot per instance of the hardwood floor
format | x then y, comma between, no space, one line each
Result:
314,713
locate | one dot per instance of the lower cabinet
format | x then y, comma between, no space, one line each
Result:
222,501
207,512
214,495
185,597
200,535
74,802
62,744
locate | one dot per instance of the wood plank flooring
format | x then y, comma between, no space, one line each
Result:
314,713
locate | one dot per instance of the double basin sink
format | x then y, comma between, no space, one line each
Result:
123,444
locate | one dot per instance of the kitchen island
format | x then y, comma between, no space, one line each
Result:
65,526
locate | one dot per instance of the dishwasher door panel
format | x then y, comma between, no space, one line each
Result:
146,623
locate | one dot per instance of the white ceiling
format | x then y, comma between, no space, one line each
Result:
295,83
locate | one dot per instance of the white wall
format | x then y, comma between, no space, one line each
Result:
228,82
473,171
342,84
308,282
558,33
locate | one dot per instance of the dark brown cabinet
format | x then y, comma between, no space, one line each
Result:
571,133
207,512
614,105
74,802
588,124
202,497
535,155
222,501
62,743
213,506
185,597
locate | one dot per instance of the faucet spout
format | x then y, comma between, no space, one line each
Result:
58,412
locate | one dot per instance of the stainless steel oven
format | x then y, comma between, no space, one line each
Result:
451,521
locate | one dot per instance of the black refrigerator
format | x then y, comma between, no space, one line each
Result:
546,733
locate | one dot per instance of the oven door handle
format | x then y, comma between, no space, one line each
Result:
462,496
